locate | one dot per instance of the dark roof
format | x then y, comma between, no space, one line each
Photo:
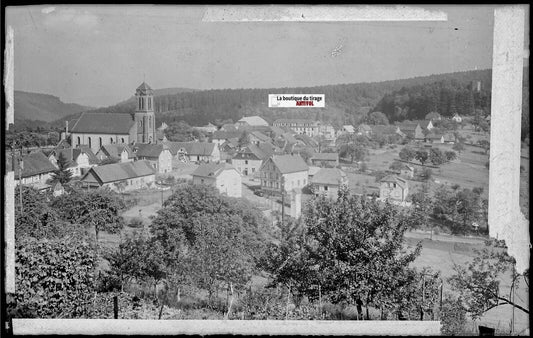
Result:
144,88
289,138
224,135
114,150
297,121
33,164
71,155
149,150
289,163
331,176
212,169
433,136
119,171
325,157
408,126
259,153
192,148
262,137
103,123
306,139
395,179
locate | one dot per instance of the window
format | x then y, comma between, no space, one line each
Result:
150,121
100,142
326,188
202,181
246,162
111,140
79,140
122,139
394,185
90,142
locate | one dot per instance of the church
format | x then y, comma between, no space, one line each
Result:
97,129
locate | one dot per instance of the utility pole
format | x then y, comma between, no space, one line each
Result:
21,166
282,200
512,297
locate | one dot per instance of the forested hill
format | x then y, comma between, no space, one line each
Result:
345,103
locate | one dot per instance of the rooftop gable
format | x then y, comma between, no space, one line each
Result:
103,123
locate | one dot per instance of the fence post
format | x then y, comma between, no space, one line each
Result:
115,307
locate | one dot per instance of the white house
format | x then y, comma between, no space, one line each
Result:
195,152
327,181
78,159
117,151
36,168
300,126
251,121
249,159
283,172
457,118
394,188
158,155
120,176
223,176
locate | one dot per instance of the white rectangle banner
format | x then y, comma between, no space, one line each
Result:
296,100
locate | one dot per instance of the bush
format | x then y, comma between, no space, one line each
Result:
136,223
453,317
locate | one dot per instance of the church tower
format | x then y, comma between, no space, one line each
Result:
144,114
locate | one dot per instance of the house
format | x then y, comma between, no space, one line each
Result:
364,129
251,121
195,152
228,127
158,155
457,118
229,146
394,188
208,128
327,131
325,159
97,129
426,125
407,171
223,176
283,172
299,126
221,136
36,168
305,140
412,130
163,126
160,136
120,176
327,181
249,159
449,138
78,159
257,137
117,151
347,129
434,138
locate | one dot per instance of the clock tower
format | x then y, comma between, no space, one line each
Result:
144,114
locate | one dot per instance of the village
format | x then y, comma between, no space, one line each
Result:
290,160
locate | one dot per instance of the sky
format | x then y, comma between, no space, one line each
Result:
97,55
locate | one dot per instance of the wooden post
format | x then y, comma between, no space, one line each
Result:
115,307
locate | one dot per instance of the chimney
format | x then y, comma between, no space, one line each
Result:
66,129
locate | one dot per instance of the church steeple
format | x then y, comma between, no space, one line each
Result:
144,114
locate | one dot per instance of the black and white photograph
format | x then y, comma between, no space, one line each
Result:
267,169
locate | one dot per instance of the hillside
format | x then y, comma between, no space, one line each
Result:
42,107
345,103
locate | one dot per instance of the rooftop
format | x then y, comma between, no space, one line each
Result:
212,169
325,157
254,121
119,171
329,176
33,164
103,123
192,148
395,179
289,163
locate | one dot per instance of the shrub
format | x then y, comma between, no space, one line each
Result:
453,317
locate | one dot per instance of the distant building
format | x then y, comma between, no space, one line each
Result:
434,138
58,190
433,116
348,128
158,155
120,176
223,176
407,171
412,130
299,126
257,137
98,129
449,138
208,128
249,159
457,118
228,127
364,129
325,159
122,152
283,172
251,121
221,136
78,160
36,168
327,181
426,125
394,188
195,152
